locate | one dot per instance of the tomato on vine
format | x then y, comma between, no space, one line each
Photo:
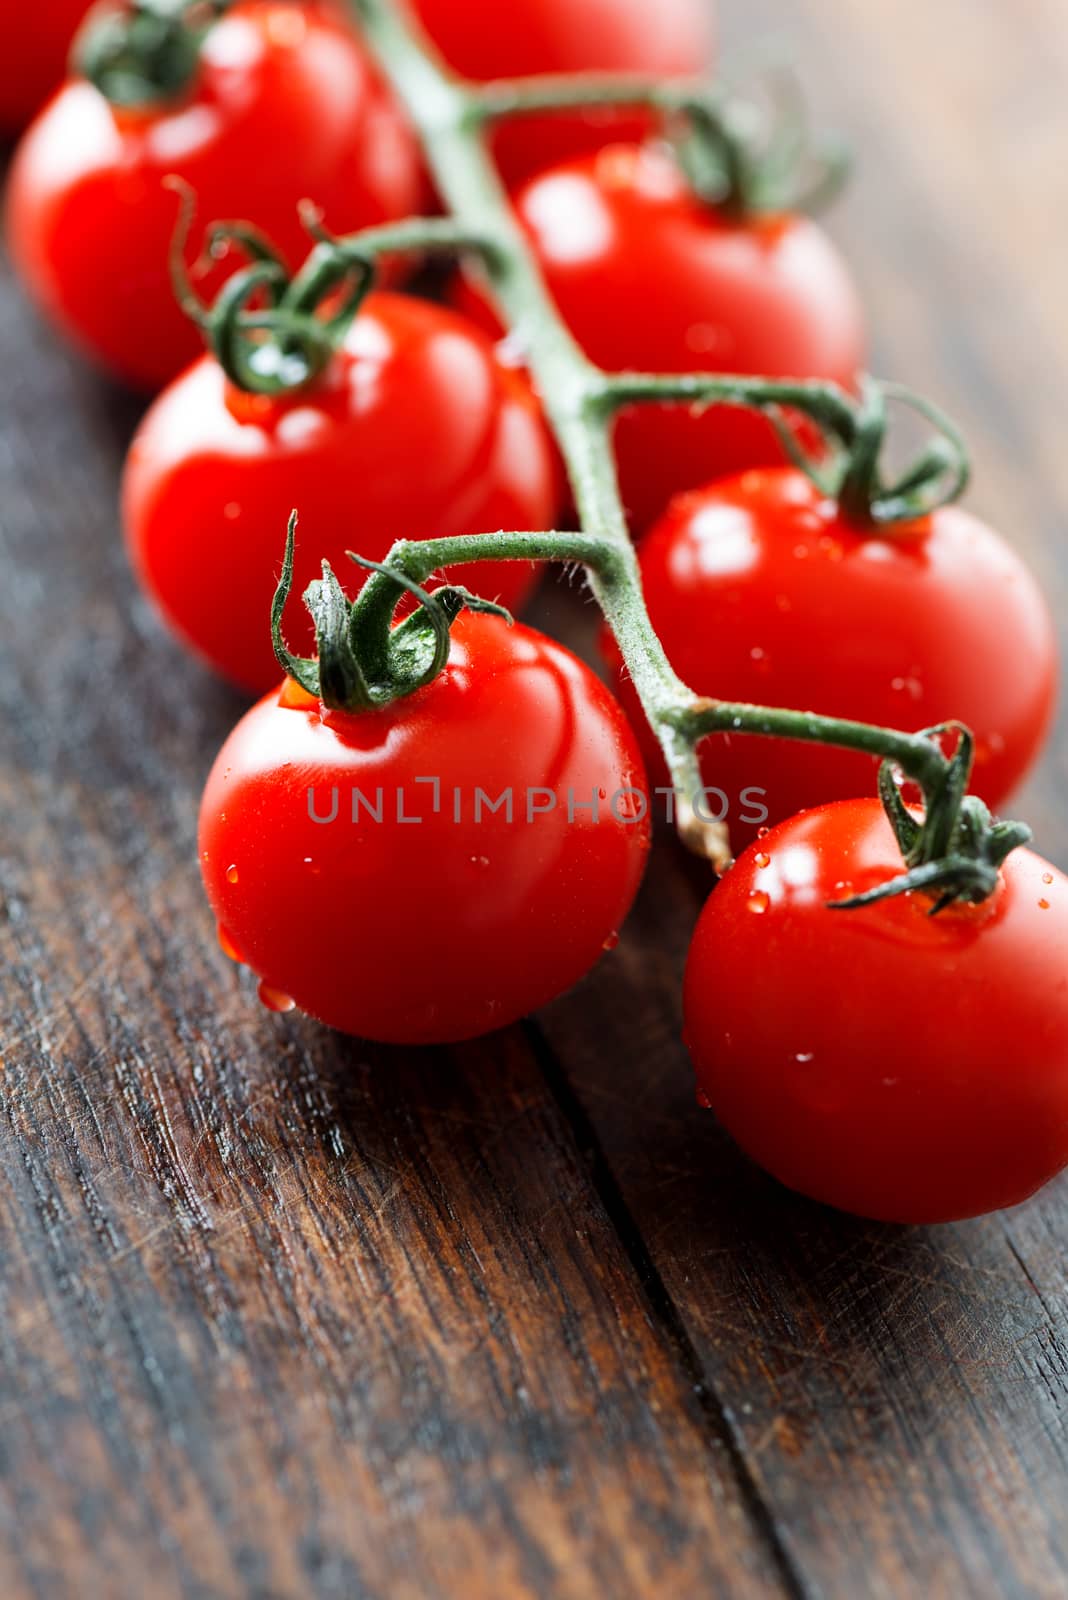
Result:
414,427
267,106
763,591
569,36
651,277
431,867
34,58
901,1065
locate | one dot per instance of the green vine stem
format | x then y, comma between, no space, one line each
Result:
581,402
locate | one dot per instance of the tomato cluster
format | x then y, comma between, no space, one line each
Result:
422,835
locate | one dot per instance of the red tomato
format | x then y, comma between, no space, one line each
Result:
485,40
416,431
650,278
37,42
285,107
444,929
760,592
901,1066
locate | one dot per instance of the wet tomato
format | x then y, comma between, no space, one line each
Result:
897,1065
761,592
444,915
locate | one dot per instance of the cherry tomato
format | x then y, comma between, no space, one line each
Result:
32,63
565,36
447,927
650,278
901,1066
761,592
417,430
285,107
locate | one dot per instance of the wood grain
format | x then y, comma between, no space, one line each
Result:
282,1315
285,1316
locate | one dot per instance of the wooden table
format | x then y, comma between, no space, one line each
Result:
282,1315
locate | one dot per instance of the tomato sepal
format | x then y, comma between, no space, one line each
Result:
957,851
147,53
274,332
364,661
747,165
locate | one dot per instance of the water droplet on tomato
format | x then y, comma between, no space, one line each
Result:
275,999
703,1100
231,874
803,1057
313,866
612,941
1047,877
762,833
758,902
228,947
1043,905
762,860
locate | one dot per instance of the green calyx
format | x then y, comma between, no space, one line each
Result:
956,852
267,329
363,661
847,462
850,468
752,160
147,52
274,332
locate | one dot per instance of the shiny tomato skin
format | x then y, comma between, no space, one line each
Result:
429,932
37,42
761,592
650,278
286,107
483,40
908,1068
417,430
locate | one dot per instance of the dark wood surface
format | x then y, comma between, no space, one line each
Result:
285,1316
